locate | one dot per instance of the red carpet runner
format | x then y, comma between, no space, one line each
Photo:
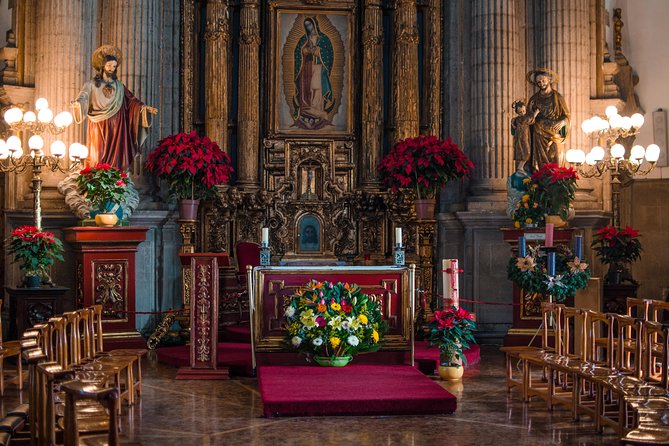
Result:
351,390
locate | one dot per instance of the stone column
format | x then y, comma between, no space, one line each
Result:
371,147
563,46
494,54
216,72
248,117
405,69
187,64
433,68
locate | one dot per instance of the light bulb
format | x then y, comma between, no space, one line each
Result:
586,126
29,117
626,123
598,153
616,121
653,153
63,119
58,148
617,151
637,152
13,143
575,156
637,120
4,151
41,104
78,151
13,115
611,110
17,153
35,142
84,152
590,159
45,115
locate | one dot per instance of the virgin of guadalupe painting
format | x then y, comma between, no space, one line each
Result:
313,73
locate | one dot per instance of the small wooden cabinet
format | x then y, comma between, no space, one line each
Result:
30,306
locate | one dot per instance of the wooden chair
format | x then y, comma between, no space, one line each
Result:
77,391
15,375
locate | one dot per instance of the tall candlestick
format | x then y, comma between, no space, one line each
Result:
522,246
265,236
578,246
551,263
549,235
398,236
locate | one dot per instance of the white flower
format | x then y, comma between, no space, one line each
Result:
346,323
317,342
290,311
355,323
353,340
296,341
335,323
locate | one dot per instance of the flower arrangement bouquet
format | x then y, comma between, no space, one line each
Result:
333,320
425,164
531,273
528,211
452,330
192,165
34,250
103,186
556,188
617,246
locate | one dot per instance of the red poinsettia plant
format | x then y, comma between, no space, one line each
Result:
192,165
556,188
103,185
452,330
424,163
613,245
34,250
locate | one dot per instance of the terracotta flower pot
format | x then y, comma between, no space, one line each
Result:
188,209
425,208
106,220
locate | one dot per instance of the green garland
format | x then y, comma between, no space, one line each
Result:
531,273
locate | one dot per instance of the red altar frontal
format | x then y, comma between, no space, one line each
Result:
105,272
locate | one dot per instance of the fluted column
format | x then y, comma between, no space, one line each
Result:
371,147
187,64
563,47
494,54
405,69
433,68
216,71
248,119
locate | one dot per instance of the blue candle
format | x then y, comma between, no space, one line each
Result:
551,263
522,246
578,246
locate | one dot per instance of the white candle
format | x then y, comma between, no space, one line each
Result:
265,236
451,282
398,236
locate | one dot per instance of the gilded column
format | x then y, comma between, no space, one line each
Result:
563,47
249,95
187,64
371,147
216,71
433,68
494,55
405,69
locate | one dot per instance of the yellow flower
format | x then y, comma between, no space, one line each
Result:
526,180
526,197
334,342
516,224
528,220
335,306
375,335
363,319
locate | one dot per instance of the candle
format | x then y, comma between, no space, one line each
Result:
549,235
398,237
551,263
522,246
265,236
578,246
451,283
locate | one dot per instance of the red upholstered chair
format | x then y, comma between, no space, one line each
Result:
248,254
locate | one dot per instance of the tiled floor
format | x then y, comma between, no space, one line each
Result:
230,413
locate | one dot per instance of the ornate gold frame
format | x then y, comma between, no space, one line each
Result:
275,65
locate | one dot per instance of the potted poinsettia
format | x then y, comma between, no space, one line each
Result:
34,250
424,164
452,330
617,248
192,165
105,188
556,187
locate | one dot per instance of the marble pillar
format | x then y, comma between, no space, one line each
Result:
433,68
248,117
405,70
495,55
371,147
216,69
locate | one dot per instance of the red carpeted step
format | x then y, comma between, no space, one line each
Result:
351,390
234,355
240,333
